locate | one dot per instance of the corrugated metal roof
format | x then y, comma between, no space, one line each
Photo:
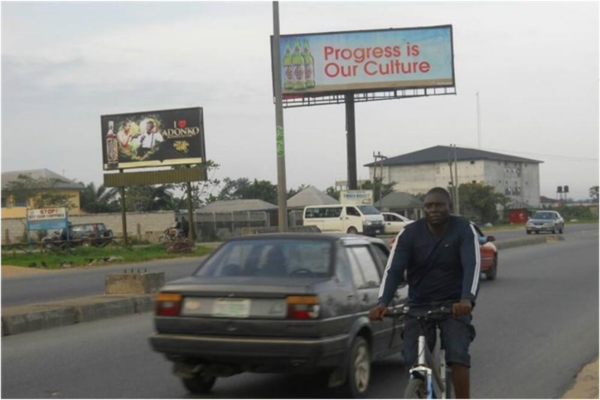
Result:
229,206
310,197
399,200
439,154
63,182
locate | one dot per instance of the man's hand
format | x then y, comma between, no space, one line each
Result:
462,308
377,313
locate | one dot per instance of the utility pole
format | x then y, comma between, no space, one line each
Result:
457,206
381,158
281,182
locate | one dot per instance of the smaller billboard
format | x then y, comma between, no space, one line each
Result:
356,197
47,218
153,139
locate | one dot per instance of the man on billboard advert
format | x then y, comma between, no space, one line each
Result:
156,138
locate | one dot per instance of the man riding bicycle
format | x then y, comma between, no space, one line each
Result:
440,255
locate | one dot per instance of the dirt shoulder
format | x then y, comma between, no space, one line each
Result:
586,383
10,271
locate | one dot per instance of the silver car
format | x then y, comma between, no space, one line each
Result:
545,221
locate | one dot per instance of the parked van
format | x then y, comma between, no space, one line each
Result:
363,219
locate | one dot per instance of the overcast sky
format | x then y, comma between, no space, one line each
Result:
65,64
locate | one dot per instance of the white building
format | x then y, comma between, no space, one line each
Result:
417,172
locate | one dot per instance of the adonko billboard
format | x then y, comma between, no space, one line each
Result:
363,61
153,139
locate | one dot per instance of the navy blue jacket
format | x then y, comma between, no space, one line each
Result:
438,268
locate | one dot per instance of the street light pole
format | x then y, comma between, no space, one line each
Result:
281,183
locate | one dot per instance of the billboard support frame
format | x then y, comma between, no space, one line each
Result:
123,213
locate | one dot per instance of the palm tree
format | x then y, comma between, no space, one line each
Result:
99,200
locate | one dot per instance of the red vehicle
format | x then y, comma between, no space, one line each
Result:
489,254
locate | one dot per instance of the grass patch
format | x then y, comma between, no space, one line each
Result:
80,256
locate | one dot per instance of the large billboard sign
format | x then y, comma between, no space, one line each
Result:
153,139
366,61
47,218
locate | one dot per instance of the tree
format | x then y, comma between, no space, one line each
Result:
386,188
202,192
148,198
478,202
594,195
99,200
242,188
330,191
39,191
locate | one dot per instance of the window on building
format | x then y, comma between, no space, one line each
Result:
472,162
20,202
474,181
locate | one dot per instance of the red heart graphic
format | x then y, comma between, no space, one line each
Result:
182,124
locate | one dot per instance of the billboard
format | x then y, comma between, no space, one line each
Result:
366,61
47,218
356,197
153,139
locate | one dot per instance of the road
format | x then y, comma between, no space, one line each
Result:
537,325
90,281
57,285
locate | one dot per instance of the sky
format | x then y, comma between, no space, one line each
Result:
535,66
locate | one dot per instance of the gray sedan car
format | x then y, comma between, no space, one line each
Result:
294,303
545,221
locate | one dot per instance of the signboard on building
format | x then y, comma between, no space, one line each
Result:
47,218
153,139
356,197
366,61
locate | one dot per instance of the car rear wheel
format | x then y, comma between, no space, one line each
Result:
352,230
529,232
359,370
201,384
493,272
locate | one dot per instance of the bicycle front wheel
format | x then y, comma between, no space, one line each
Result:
416,389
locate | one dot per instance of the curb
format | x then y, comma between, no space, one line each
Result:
512,243
37,317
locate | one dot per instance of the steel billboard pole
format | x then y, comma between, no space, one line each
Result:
281,181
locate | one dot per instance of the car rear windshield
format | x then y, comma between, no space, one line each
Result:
543,216
271,258
368,210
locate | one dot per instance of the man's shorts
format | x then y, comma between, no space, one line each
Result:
456,334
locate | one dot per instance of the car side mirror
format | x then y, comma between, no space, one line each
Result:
491,239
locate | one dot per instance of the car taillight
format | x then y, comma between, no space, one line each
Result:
303,307
168,304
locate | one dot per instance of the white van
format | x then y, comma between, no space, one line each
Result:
363,219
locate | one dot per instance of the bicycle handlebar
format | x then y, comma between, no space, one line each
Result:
418,313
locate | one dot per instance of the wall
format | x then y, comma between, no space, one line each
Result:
508,177
151,225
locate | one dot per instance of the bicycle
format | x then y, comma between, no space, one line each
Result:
430,378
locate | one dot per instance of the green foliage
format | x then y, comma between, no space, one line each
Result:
330,191
594,193
99,200
376,185
478,202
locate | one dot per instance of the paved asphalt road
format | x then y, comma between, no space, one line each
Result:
87,282
78,282
537,325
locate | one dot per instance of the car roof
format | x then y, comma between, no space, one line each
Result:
332,237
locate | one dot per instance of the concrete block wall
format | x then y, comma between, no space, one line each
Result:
147,226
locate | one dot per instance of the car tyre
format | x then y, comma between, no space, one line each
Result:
359,370
561,230
554,230
493,272
529,232
352,230
201,384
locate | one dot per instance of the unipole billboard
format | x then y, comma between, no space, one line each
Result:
366,61
153,139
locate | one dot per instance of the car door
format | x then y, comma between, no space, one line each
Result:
353,219
393,224
367,279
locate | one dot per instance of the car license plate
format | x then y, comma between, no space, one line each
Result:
231,308
378,231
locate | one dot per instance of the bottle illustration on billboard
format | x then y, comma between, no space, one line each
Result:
298,65
112,151
309,66
288,68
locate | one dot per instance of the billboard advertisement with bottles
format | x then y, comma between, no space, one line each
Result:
153,139
363,61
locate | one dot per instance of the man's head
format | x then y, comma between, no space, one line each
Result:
437,206
149,126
